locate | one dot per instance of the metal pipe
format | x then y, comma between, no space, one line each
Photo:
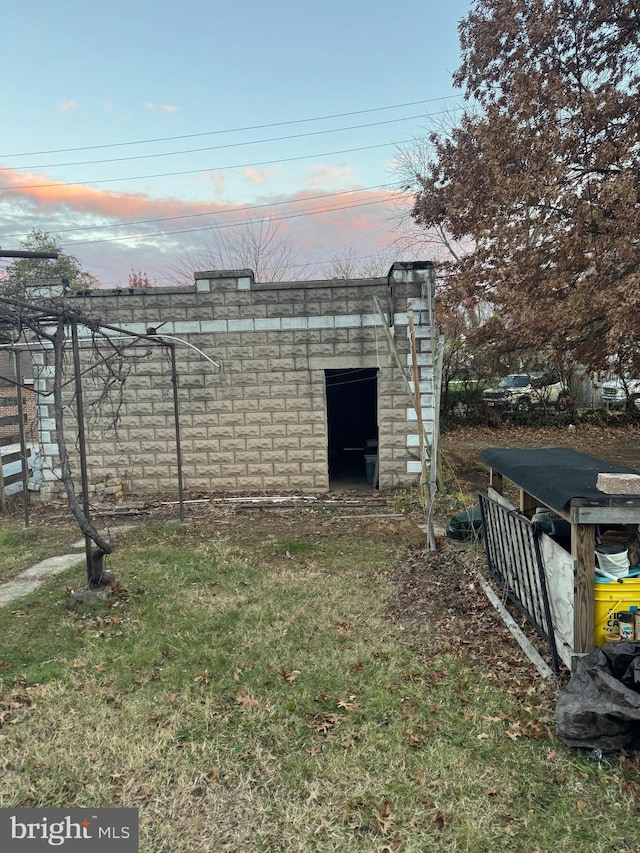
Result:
82,448
176,417
19,253
23,444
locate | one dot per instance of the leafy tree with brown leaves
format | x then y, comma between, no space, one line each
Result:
540,179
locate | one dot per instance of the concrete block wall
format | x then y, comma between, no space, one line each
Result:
256,422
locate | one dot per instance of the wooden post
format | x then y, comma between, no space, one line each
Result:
528,503
495,480
583,547
417,402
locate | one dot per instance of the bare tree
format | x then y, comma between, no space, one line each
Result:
347,265
255,244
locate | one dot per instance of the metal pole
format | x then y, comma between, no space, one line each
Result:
81,447
23,443
176,418
20,253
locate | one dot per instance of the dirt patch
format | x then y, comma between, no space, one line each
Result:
441,607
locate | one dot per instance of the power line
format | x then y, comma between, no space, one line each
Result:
245,209
211,147
229,130
224,225
213,169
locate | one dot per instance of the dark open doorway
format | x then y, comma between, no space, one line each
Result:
352,420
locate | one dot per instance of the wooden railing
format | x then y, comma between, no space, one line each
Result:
11,457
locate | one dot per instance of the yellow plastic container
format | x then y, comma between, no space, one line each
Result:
610,597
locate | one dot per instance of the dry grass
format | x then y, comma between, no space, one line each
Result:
248,693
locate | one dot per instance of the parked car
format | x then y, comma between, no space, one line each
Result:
522,391
616,393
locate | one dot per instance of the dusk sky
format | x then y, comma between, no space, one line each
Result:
130,130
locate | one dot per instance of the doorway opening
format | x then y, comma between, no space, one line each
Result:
352,421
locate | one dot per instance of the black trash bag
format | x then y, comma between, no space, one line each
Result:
466,526
600,706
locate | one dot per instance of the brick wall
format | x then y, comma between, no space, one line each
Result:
258,420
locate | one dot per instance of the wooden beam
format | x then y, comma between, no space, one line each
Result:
583,548
528,503
525,644
495,480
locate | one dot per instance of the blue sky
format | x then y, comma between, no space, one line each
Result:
115,114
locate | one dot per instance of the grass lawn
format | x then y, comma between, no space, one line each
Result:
247,691
21,547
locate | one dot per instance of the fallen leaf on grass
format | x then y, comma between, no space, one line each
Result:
384,817
289,675
413,739
323,723
348,703
248,702
515,731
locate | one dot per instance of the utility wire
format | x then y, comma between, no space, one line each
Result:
211,147
246,209
224,225
212,169
228,130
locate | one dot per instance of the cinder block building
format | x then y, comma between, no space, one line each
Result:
289,386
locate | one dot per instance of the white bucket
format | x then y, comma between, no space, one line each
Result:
612,560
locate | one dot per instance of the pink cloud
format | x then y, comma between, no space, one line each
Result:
82,199
66,106
319,226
